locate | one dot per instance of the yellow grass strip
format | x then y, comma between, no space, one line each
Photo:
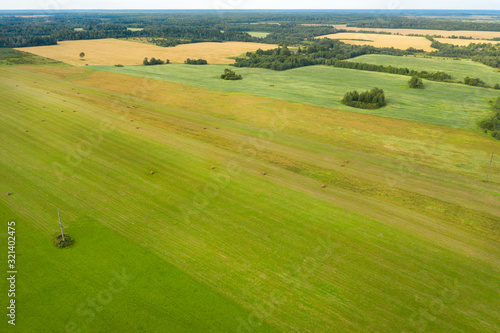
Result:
114,51
379,40
444,33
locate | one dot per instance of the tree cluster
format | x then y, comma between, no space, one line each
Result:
195,61
485,53
477,82
230,75
319,52
493,123
154,61
372,99
416,83
434,76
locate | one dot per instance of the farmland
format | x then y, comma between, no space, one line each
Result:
443,33
261,204
297,159
380,40
114,51
441,104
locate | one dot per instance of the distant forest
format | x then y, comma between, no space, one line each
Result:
169,28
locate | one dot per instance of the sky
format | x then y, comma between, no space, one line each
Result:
250,4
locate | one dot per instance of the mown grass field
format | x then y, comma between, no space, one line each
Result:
382,40
114,51
258,34
458,69
445,104
404,237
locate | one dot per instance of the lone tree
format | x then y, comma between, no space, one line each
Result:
82,55
416,82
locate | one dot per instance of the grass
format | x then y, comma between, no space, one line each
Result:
395,232
258,34
445,104
458,69
14,57
115,51
382,40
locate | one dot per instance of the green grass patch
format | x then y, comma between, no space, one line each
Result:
15,57
458,69
445,104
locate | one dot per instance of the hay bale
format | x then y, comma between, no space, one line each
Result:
18,102
62,111
43,107
323,185
43,120
26,131
347,161
264,173
212,167
341,165
137,127
8,193
151,172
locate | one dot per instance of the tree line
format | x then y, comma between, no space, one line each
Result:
320,52
434,76
195,61
154,61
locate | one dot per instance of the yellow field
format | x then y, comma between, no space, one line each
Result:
378,40
463,42
444,33
114,51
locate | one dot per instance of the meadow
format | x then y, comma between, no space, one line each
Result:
458,69
444,33
114,51
390,218
444,104
382,40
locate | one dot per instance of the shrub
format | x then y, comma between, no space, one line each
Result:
67,242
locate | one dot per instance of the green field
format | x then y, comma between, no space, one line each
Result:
258,34
445,104
458,69
253,220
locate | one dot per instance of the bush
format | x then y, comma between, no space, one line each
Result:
119,65
230,75
497,86
372,99
416,82
67,242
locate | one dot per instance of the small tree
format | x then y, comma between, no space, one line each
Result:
82,55
416,82
145,62
497,86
